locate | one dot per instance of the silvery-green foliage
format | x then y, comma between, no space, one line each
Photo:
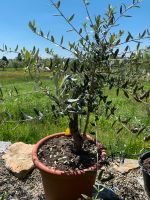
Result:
103,59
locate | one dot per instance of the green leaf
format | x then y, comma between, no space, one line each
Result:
121,33
32,26
116,53
56,15
114,123
126,49
123,55
141,130
16,48
120,130
34,49
111,20
121,9
143,34
128,37
118,42
112,38
85,25
5,47
69,30
117,91
92,133
100,174
71,18
62,39
52,39
16,90
81,41
87,37
125,93
66,64
1,92
36,111
98,21
125,84
41,33
47,50
57,4
80,31
145,95
138,46
127,15
72,100
47,35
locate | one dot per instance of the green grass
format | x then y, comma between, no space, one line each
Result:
125,141
29,96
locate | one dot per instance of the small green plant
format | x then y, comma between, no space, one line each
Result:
4,196
98,62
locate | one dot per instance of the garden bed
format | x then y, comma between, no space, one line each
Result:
126,185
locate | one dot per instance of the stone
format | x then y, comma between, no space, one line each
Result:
128,165
4,146
140,180
18,159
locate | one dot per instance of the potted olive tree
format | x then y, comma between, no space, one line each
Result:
69,161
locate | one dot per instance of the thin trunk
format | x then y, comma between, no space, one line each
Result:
86,124
73,125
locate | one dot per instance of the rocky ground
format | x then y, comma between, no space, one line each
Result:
29,188
127,186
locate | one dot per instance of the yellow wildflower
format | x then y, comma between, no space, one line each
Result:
67,132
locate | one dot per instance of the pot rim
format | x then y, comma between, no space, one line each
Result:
141,159
46,169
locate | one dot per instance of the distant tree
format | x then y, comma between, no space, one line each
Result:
19,57
4,58
146,58
3,64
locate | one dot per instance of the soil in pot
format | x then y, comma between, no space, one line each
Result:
59,153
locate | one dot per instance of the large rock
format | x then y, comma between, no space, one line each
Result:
18,159
128,165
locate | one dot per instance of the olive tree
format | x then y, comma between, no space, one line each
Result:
98,62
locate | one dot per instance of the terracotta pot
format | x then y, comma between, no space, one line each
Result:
67,185
146,175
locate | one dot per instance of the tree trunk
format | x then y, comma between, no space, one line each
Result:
78,140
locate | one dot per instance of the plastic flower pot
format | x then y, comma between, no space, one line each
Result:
67,185
146,175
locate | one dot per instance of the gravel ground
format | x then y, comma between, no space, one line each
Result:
128,186
30,188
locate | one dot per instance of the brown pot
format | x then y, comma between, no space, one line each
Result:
67,185
146,175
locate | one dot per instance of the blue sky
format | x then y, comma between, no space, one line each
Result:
16,14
